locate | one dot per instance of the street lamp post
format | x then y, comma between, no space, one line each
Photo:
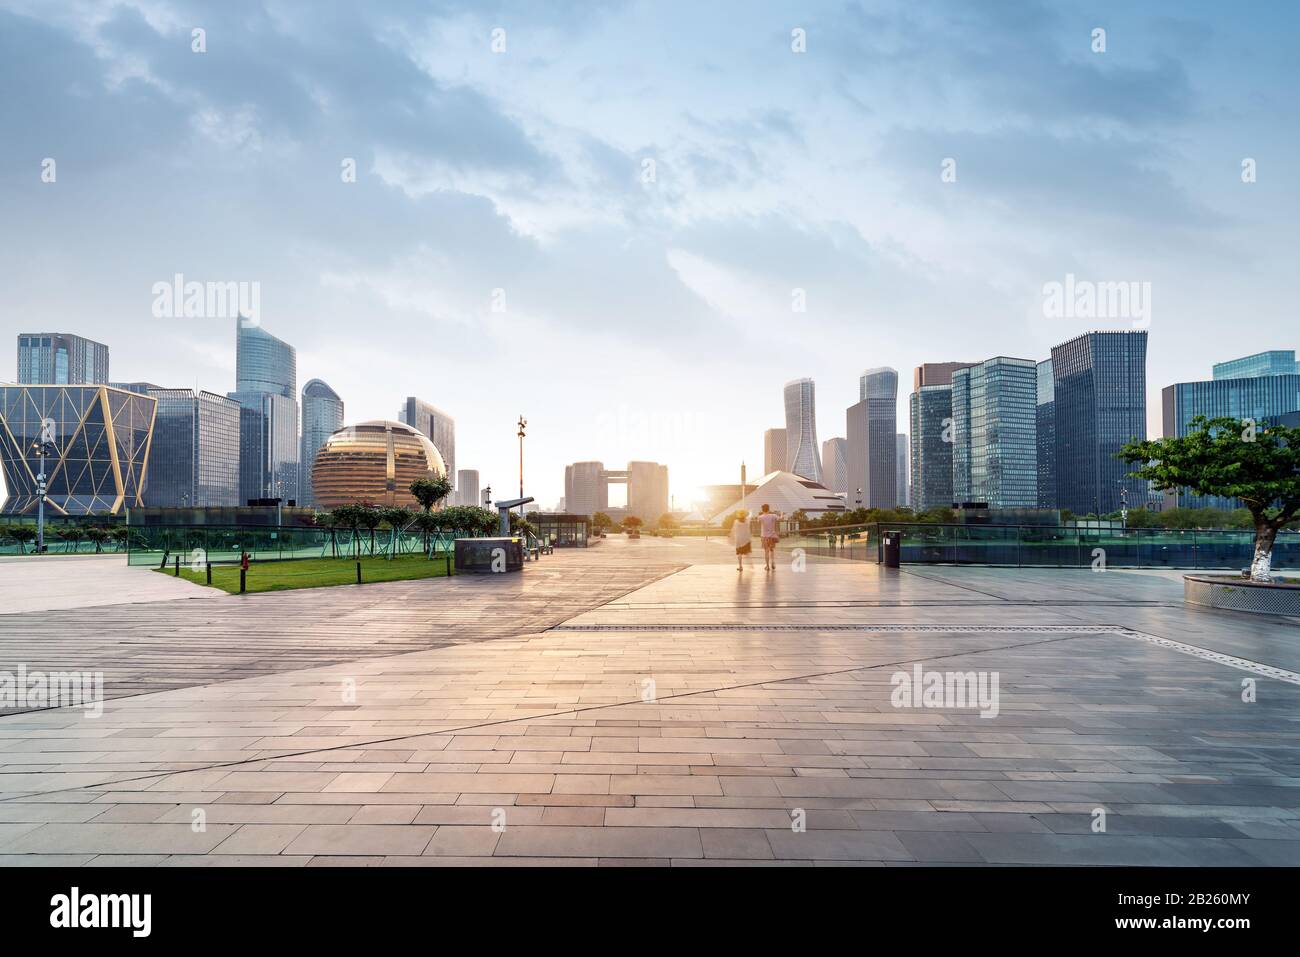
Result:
523,423
1123,506
40,448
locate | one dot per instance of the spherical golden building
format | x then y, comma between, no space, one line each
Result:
373,462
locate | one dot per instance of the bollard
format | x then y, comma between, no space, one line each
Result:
358,573
243,580
177,573
448,558
209,573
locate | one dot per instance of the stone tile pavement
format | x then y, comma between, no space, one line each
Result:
702,716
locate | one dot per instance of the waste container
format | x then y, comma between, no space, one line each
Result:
892,543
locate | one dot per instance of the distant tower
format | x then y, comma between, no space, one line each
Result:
801,452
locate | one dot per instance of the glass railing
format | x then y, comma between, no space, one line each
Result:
1052,546
163,544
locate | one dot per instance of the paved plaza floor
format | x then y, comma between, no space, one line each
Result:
643,702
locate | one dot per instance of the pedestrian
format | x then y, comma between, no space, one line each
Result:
767,520
741,539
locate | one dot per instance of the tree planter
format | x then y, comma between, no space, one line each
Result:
1241,594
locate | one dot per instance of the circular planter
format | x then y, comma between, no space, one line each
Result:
1234,593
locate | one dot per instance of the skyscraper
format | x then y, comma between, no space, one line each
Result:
1099,381
647,490
932,434
467,488
871,440
266,384
1275,362
585,488
774,457
994,412
60,358
437,425
322,416
1045,416
835,466
194,457
1258,398
801,430
901,458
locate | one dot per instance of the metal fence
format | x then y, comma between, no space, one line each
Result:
1050,546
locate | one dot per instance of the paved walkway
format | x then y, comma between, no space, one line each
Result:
697,716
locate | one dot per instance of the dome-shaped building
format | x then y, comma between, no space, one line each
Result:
373,462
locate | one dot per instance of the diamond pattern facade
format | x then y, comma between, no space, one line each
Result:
100,439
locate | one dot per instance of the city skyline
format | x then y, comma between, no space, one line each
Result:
509,172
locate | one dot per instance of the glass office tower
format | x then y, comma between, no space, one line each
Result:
995,453
1275,362
871,434
194,459
437,425
801,452
266,383
322,416
931,419
60,358
835,466
1046,433
774,457
1261,398
1099,381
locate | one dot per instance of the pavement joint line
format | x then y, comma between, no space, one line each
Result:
535,717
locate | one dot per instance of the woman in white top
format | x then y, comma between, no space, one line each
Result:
740,538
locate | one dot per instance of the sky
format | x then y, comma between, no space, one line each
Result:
605,215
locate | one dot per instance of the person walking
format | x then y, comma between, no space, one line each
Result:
767,532
740,538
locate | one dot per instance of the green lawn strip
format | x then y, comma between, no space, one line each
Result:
315,573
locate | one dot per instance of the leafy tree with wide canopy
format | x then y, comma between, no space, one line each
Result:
1256,463
429,492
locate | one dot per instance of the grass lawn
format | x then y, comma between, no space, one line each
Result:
316,572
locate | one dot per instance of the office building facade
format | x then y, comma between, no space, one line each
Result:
1099,383
902,459
995,453
1273,362
322,416
266,388
96,442
931,424
585,488
835,466
647,490
1045,416
801,452
871,441
1259,399
774,456
194,457
440,427
60,358
467,488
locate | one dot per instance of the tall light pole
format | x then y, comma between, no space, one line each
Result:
1123,506
523,423
43,449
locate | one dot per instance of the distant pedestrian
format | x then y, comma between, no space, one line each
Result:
767,525
741,539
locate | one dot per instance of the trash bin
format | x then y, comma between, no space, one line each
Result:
892,543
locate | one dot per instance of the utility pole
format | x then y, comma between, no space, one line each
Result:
43,448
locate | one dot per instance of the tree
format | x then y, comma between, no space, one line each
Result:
97,535
71,535
601,522
668,520
396,518
632,522
429,492
799,518
1258,464
22,535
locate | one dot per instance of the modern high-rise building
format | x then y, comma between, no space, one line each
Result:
935,373
902,458
1258,398
1046,432
266,388
96,441
801,452
1275,362
835,466
194,458
932,441
322,416
437,425
871,441
647,490
995,453
1099,382
60,358
774,457
467,488
585,489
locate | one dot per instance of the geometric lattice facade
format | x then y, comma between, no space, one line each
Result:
101,438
